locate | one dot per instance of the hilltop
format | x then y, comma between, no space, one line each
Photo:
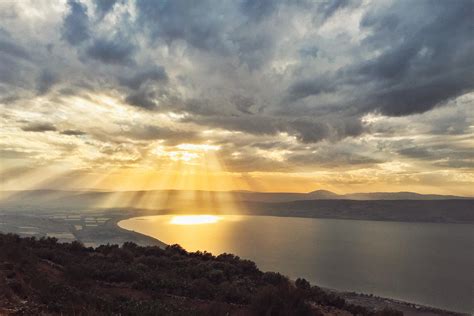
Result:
50,278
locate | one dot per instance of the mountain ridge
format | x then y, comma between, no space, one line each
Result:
316,194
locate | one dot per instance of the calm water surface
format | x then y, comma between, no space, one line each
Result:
424,263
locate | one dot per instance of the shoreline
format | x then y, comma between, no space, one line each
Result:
363,299
408,308
62,221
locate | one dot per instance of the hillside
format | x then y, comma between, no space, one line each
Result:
428,211
162,199
49,278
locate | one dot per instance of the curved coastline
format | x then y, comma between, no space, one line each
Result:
366,300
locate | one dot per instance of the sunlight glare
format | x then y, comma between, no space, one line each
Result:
194,219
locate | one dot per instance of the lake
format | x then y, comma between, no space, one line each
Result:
424,263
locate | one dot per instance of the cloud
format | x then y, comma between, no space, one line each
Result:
73,132
255,124
142,99
258,10
445,156
328,8
39,127
8,47
304,88
333,129
279,85
15,66
104,6
45,81
75,29
170,135
243,103
423,62
111,51
12,154
430,66
156,74
199,24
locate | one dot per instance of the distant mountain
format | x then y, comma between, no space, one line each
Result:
323,194
428,211
175,199
400,196
328,195
399,206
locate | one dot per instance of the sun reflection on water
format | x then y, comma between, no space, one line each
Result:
194,219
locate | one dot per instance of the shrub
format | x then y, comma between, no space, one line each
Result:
302,284
274,278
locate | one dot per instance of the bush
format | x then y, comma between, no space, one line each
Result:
280,300
302,284
388,312
216,276
202,288
274,278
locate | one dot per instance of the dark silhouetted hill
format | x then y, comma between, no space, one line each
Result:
44,277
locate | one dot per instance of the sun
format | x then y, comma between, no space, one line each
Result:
194,219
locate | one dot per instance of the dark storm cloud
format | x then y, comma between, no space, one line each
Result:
111,51
445,156
415,152
303,68
198,23
424,61
432,64
243,103
104,6
259,9
39,127
304,88
216,27
292,155
200,107
156,74
151,132
311,131
307,129
142,99
75,29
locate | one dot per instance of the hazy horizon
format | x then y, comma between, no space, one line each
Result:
236,191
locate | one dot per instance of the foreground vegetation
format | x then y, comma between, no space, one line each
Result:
42,276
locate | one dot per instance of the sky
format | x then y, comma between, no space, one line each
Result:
343,95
